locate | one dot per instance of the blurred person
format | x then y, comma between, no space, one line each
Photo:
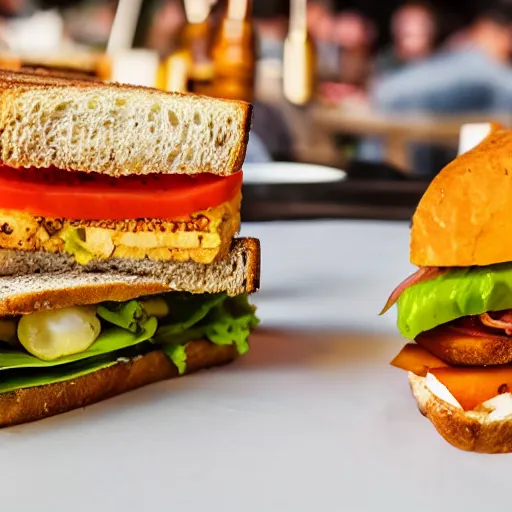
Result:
271,22
164,30
90,23
471,77
32,26
17,8
355,35
457,39
413,34
256,151
320,20
270,125
11,9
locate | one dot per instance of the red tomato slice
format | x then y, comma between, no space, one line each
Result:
76,195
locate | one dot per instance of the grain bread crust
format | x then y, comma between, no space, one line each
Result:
468,430
24,294
31,404
464,216
118,130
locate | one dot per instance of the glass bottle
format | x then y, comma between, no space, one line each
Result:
234,53
299,57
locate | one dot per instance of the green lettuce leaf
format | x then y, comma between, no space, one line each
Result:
223,320
127,315
178,355
27,378
188,310
454,294
111,340
231,322
226,322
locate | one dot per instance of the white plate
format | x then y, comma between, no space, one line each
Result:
290,172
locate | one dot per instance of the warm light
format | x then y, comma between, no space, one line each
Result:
237,9
135,67
197,11
298,63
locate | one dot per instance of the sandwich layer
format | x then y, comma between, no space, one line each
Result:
468,386
118,130
201,237
61,282
25,405
479,430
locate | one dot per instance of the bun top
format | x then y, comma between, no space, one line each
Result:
465,216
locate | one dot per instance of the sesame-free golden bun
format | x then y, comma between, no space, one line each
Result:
465,216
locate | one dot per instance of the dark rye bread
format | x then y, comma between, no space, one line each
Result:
31,404
24,294
116,129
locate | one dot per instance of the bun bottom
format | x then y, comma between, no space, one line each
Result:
474,430
31,404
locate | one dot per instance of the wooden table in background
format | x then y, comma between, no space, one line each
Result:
396,131
313,128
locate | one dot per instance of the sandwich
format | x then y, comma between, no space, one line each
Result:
456,310
120,263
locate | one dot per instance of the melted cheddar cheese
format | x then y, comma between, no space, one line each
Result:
202,236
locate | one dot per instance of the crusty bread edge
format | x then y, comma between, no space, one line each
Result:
253,254
94,293
466,430
242,148
31,404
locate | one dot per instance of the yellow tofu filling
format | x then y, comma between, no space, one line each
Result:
202,236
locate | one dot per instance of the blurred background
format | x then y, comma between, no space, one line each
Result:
377,89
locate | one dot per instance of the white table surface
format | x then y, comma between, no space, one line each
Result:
307,421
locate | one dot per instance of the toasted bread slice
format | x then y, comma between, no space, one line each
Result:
117,280
116,129
475,431
31,404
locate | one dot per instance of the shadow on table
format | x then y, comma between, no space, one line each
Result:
317,350
271,349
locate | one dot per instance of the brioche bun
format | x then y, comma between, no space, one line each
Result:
465,216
